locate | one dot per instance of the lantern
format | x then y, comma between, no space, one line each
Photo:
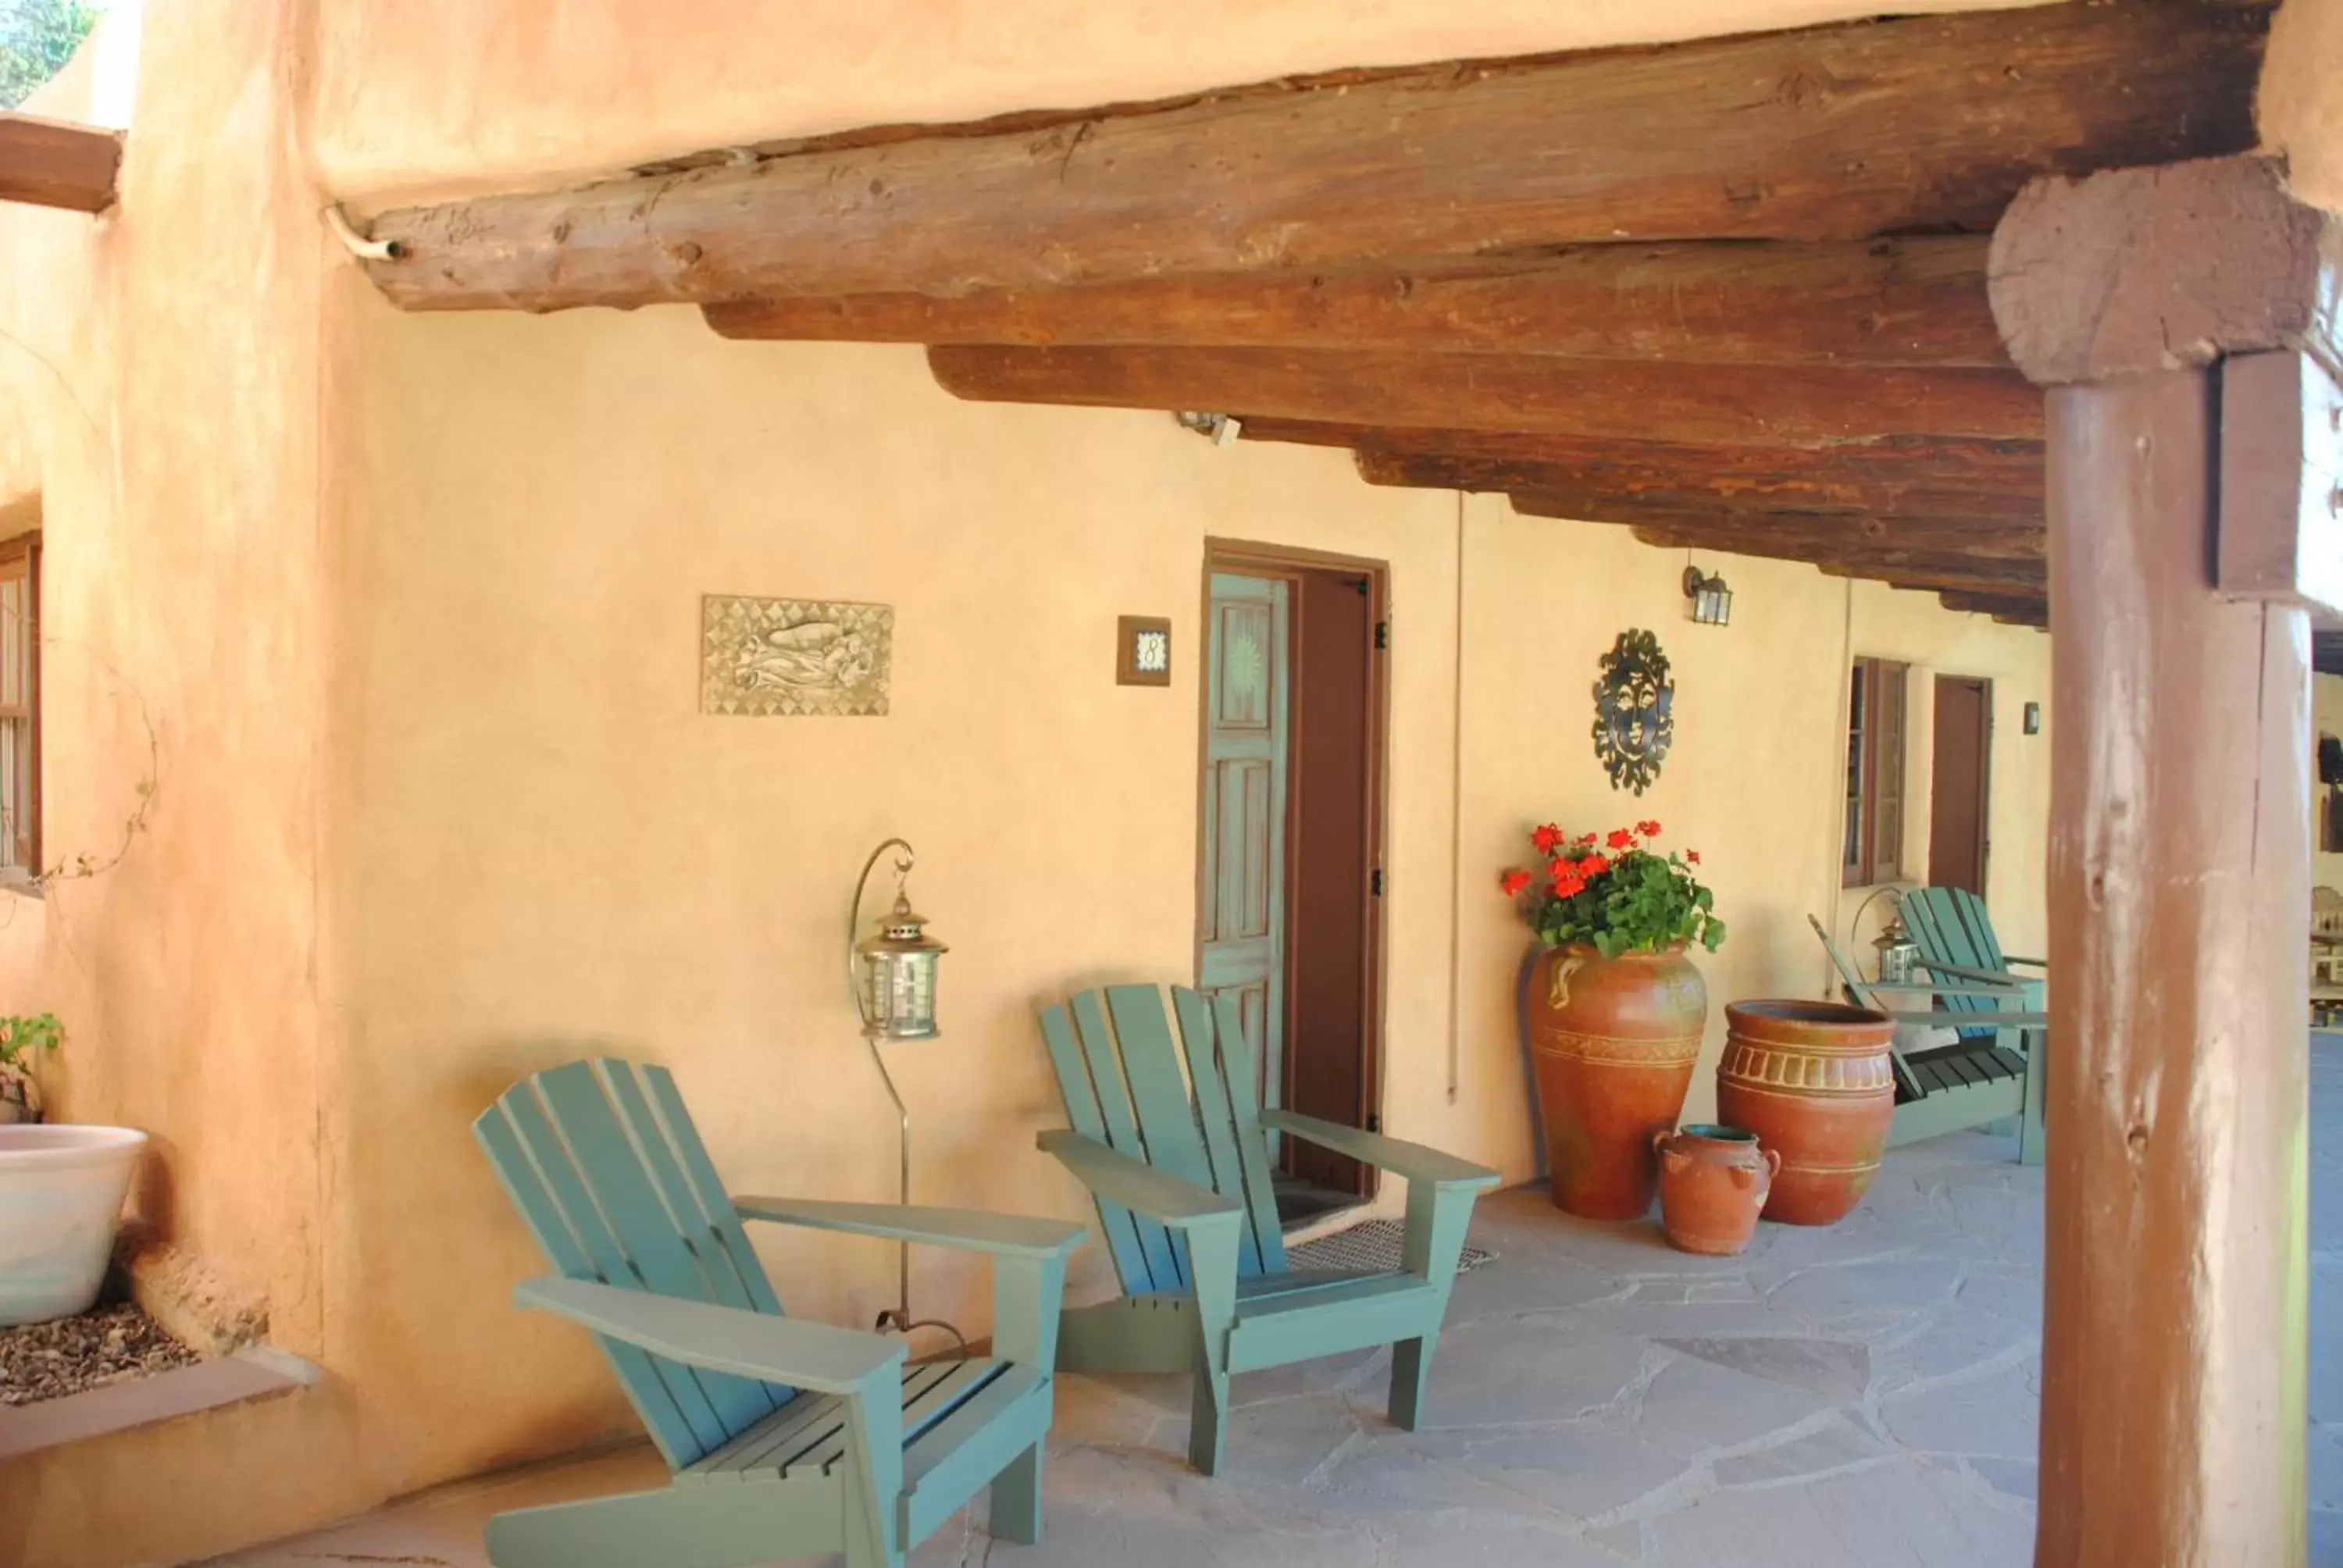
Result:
893,974
1711,601
1899,955
896,976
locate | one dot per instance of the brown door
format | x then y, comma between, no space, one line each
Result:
1959,841
1330,845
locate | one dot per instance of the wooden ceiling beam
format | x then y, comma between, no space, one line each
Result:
1809,536
2009,609
1898,568
1911,125
1918,301
54,162
1916,476
1755,405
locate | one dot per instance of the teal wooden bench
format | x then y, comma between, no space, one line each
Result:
1986,1075
1169,1138
785,1438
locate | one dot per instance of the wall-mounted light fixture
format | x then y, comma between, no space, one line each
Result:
1223,428
2032,718
1711,601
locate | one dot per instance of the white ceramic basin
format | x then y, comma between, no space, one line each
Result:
61,1191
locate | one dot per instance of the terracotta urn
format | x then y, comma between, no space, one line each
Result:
1713,1181
1812,1080
1613,1041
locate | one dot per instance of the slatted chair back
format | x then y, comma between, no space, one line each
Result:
1950,926
1184,1105
2326,913
607,1169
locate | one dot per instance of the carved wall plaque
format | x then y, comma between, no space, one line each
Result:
794,656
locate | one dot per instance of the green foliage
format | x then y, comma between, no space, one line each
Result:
22,1034
1622,897
36,38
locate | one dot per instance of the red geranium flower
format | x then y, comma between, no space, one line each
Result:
1586,840
1546,838
1648,829
1693,856
1593,866
1568,879
1514,882
1622,840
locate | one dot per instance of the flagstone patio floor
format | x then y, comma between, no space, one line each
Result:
1859,1395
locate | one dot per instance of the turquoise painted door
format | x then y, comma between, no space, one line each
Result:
1242,882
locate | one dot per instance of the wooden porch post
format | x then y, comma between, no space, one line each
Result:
2174,1339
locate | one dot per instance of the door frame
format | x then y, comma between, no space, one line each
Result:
1258,558
1983,683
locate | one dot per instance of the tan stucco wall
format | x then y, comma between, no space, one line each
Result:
159,386
2301,107
552,850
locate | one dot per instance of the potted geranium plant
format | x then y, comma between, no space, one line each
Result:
21,1035
1617,1009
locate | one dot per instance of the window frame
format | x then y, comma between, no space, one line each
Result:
26,548
1879,741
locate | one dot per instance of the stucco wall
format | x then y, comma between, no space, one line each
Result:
552,850
159,384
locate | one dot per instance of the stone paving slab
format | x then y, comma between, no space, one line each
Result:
1857,1396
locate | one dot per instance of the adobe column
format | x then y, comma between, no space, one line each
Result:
2178,317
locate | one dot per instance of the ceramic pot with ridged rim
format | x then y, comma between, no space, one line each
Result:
1813,1080
1614,1041
1713,1181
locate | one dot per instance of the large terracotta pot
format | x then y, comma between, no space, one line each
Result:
1713,1181
1614,1041
1812,1080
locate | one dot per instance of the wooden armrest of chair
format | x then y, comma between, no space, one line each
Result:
971,1230
1412,1160
1139,1186
792,1350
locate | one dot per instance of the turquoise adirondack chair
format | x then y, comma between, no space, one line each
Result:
1956,939
1168,1137
1986,1075
786,1438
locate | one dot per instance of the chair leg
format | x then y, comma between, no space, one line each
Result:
1017,1498
2030,1135
863,1550
1206,1420
1411,1370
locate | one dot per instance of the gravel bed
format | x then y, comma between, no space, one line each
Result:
111,1344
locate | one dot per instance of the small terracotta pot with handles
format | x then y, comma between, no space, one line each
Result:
1713,1181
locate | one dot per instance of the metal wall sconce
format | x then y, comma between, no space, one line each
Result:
893,974
1222,429
1711,601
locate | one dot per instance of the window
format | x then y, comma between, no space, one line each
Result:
20,707
1874,848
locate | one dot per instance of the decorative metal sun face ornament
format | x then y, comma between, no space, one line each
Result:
1634,711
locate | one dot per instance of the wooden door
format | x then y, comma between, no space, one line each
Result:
1242,879
1958,839
1332,865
